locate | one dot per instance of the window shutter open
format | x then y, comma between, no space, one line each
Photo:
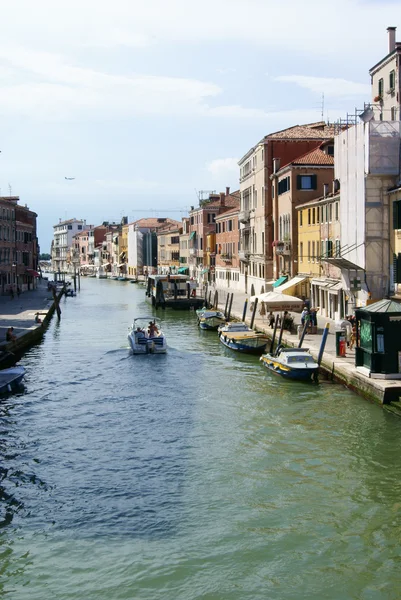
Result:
299,182
314,182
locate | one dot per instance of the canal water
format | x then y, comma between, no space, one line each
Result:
193,475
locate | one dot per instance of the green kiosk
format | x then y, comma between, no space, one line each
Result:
378,340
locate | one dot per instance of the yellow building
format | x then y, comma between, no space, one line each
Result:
319,254
123,250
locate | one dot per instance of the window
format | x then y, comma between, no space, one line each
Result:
283,186
330,150
393,116
317,214
263,242
308,251
313,251
391,80
306,182
301,252
79,226
262,153
330,213
329,248
300,218
255,198
272,191
69,226
309,217
336,211
338,248
313,216
380,88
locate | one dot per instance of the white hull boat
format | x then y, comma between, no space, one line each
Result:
146,340
10,379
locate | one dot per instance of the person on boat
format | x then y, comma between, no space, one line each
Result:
153,330
10,336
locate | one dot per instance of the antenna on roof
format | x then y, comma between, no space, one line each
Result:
10,189
322,106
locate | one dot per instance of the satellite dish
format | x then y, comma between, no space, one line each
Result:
367,115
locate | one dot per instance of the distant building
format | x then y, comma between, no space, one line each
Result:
63,234
226,257
184,246
168,247
142,245
202,225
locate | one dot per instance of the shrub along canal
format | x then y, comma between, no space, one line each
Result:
195,474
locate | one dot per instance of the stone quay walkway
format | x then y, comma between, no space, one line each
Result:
19,312
342,369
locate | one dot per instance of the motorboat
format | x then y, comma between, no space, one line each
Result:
144,339
210,319
11,378
122,278
292,363
238,336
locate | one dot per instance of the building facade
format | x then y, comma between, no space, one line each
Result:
168,248
367,163
184,246
257,215
63,234
202,224
386,82
298,182
227,263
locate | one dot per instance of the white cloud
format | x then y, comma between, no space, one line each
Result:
331,86
44,85
310,25
222,167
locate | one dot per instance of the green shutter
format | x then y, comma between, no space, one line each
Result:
299,182
314,182
395,214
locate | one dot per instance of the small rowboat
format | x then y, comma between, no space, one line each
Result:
239,337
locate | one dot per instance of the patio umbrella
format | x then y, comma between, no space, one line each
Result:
278,301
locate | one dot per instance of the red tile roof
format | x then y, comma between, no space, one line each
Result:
230,201
314,157
319,130
154,222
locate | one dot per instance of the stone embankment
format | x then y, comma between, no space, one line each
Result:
20,312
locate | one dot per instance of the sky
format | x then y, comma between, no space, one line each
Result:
146,103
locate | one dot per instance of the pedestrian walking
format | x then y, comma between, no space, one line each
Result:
18,291
11,293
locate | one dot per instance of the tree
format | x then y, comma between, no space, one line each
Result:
44,256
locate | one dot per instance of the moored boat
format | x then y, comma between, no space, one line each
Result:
211,319
292,363
10,379
145,339
239,337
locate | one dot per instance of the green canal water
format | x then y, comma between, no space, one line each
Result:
194,475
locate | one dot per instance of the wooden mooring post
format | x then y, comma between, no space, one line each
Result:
56,303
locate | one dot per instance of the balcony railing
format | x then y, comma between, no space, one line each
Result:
244,255
226,257
283,248
244,216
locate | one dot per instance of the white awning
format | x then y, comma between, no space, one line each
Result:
290,284
331,285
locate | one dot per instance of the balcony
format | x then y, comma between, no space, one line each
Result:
283,248
192,251
244,216
244,255
226,257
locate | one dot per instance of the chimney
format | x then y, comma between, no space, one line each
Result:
276,165
222,199
391,39
325,189
227,191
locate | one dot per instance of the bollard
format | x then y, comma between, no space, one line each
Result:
255,305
